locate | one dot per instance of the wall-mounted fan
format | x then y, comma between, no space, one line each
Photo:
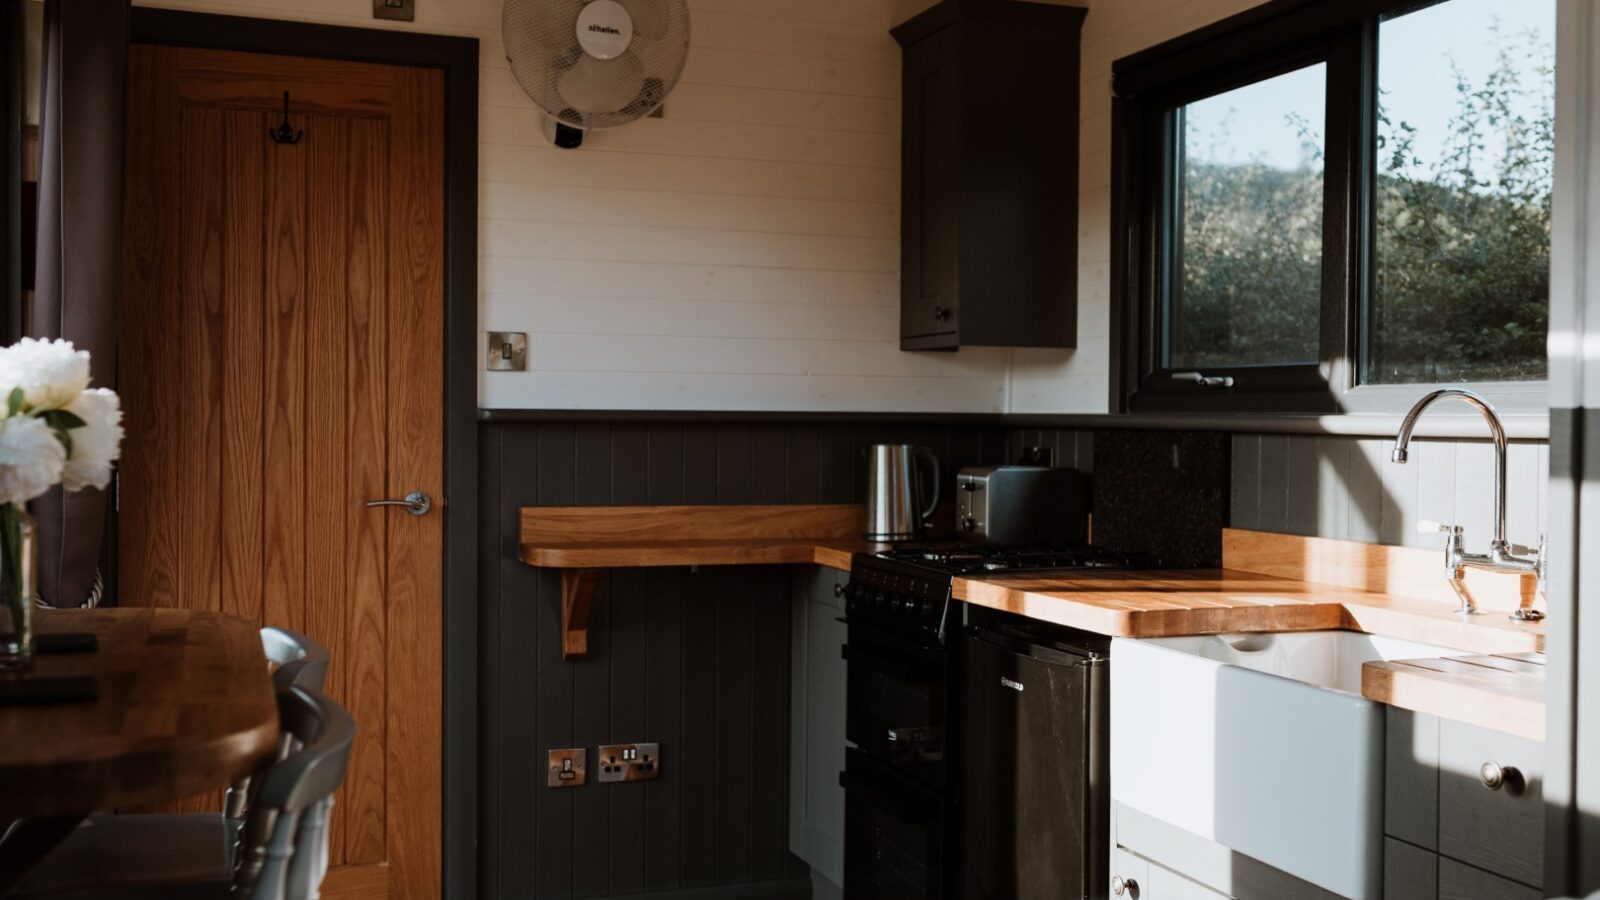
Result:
595,63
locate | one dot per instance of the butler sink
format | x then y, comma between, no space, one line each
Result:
1260,743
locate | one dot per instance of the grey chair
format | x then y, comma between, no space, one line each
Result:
298,661
283,844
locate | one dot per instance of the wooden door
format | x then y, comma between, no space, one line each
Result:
282,363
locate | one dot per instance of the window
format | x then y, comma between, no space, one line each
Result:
1248,270
1320,201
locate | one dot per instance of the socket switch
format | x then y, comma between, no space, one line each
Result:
508,351
629,762
568,768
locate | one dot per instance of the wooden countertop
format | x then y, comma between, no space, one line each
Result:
1268,582
1503,692
1221,601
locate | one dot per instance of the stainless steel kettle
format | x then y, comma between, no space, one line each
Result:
894,493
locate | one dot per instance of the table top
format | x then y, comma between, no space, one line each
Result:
185,705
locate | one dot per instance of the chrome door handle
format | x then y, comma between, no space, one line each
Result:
417,503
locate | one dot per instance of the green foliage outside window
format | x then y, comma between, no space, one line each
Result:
1462,271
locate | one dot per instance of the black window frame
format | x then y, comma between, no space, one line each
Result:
1147,90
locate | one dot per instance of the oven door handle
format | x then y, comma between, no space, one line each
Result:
918,671
907,805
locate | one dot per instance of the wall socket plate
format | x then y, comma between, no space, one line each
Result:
397,10
629,762
568,768
508,351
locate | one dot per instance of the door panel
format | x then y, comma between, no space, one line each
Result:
282,321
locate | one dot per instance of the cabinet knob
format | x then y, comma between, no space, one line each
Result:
838,589
1495,776
1124,887
941,313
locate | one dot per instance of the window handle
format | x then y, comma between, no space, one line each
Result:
1210,381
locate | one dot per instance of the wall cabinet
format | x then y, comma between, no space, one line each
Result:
1463,811
989,175
816,728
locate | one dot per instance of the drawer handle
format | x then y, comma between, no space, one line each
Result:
1495,776
1125,887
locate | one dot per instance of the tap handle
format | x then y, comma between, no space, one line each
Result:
1427,526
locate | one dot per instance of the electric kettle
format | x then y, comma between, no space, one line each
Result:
895,511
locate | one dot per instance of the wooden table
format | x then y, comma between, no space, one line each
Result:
185,706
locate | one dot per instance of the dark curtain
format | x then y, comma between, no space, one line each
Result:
79,251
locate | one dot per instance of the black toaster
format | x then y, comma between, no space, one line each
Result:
1020,506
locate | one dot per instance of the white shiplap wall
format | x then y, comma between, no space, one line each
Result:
742,252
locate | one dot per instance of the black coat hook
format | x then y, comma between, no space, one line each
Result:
283,134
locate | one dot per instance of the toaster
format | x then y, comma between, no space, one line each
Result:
1022,505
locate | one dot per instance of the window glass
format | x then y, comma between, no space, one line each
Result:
1246,288
1462,221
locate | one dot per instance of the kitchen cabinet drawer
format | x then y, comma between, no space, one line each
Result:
1131,872
1409,873
1459,881
1141,879
1165,884
1499,829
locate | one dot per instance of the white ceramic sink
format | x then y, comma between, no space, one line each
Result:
1261,743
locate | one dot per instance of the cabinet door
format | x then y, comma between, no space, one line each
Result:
1498,829
817,686
930,187
1411,777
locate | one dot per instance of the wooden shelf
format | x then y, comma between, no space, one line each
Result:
746,552
582,540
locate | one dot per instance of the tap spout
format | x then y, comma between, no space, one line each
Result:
1497,431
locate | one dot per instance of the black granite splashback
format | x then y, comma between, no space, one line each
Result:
1164,493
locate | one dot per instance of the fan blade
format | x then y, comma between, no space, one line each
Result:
649,17
595,85
550,24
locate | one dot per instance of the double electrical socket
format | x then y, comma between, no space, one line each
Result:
618,762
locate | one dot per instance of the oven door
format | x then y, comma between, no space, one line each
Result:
895,705
893,834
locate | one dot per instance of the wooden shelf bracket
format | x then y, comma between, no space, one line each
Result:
577,592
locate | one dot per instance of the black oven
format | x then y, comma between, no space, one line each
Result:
901,804
895,705
894,833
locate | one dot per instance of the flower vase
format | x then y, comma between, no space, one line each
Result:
19,561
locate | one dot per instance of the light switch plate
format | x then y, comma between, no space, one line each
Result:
508,351
397,10
629,762
568,768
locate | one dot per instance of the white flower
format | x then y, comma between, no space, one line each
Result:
97,443
51,373
31,459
